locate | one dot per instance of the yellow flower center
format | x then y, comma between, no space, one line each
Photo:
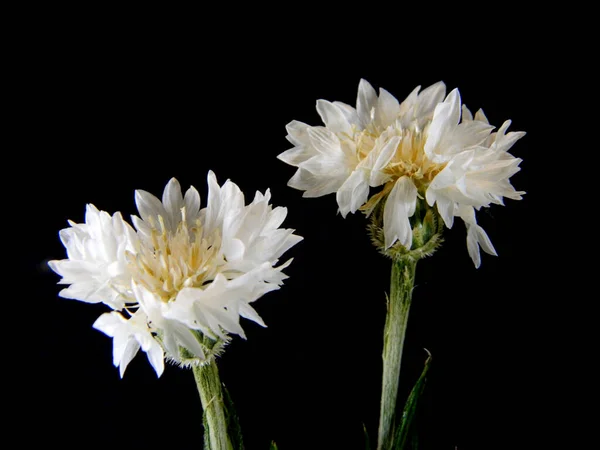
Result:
172,261
409,158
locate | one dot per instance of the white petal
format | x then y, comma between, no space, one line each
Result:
276,218
297,155
466,114
365,102
326,166
429,98
399,206
250,313
187,339
291,240
232,199
254,217
484,241
467,214
453,99
130,350
446,209
147,301
473,247
315,186
384,157
349,112
480,116
141,226
170,343
109,323
173,202
410,101
206,307
271,246
476,237
504,141
353,193
304,180
71,239
324,141
156,358
191,202
83,291
438,129
469,134
213,206
126,335
430,196
233,249
333,117
297,133
387,109
149,206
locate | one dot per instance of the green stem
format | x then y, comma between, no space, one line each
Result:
211,396
401,287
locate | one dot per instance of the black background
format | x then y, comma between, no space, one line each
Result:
107,104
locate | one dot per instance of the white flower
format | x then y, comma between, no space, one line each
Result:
181,272
420,149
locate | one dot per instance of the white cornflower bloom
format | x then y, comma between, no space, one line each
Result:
183,272
418,149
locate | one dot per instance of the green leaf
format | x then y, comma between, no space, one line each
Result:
406,427
367,440
233,424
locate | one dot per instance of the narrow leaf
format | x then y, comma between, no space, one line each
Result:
403,431
233,424
367,440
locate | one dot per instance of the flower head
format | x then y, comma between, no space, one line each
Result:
182,274
427,149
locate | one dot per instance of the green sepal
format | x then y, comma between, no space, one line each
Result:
273,446
427,229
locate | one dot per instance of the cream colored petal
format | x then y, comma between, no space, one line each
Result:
297,133
353,193
297,155
387,109
399,206
365,102
172,200
333,117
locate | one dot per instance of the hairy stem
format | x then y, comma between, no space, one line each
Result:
211,396
401,287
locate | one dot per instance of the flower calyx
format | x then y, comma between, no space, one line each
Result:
427,227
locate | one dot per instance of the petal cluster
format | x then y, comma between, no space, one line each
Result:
427,148
180,272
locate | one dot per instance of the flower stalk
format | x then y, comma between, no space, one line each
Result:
398,308
210,389
427,228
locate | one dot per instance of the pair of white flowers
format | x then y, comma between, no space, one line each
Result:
420,149
183,271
